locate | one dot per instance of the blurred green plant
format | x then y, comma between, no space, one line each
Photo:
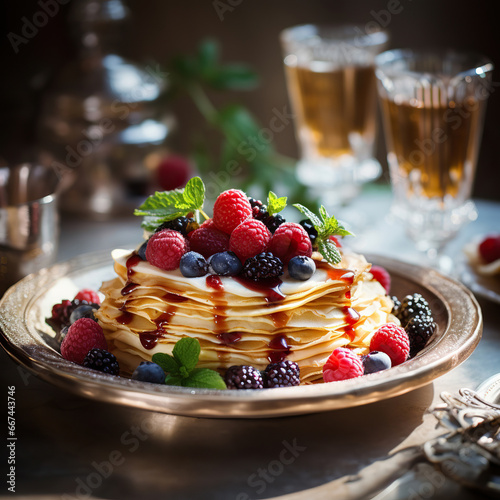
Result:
243,149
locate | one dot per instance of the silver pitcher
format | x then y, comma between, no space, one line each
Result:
29,220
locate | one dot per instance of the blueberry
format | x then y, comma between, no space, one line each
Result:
193,265
142,250
83,311
301,267
225,264
148,371
376,361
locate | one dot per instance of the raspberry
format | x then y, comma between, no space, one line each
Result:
393,340
243,377
289,240
489,249
419,329
59,311
173,172
382,276
102,361
250,238
262,266
282,374
342,365
88,295
165,249
208,240
209,223
231,208
83,335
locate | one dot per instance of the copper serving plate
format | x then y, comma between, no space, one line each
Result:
28,340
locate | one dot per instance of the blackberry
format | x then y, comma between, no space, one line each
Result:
255,203
102,361
243,377
273,222
183,225
262,266
411,306
282,374
258,208
260,213
420,329
397,305
311,231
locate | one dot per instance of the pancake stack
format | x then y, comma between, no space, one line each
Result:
237,322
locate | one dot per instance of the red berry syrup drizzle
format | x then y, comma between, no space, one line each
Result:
150,338
271,289
132,261
219,313
278,349
351,316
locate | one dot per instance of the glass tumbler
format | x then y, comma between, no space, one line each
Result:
331,85
433,108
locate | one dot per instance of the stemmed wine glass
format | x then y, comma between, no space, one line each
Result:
433,108
332,88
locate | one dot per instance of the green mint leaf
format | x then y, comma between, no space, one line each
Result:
167,362
186,352
168,205
342,231
204,378
315,220
329,251
173,380
194,193
275,204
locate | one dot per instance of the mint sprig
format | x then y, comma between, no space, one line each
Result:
275,204
181,366
326,226
169,205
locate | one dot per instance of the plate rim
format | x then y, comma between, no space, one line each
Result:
246,404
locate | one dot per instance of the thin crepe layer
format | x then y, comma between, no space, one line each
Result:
238,325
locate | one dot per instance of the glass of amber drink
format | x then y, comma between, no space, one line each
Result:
433,108
331,84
